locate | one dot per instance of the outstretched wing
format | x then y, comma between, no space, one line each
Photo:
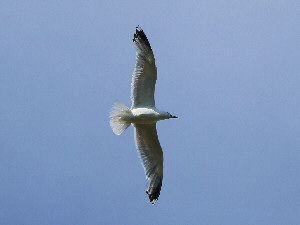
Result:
151,154
145,73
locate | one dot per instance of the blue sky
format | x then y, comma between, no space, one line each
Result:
230,71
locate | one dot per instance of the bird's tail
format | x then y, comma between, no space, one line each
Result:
119,116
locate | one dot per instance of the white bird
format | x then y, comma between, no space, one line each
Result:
143,115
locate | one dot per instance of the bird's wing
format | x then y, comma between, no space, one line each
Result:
151,154
145,73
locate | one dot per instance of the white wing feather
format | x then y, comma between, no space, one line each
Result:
151,154
145,73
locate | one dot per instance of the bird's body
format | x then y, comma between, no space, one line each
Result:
143,115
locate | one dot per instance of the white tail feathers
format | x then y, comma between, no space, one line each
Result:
119,116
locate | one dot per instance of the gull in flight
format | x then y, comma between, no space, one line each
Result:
143,115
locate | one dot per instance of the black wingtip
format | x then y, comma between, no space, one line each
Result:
154,193
139,34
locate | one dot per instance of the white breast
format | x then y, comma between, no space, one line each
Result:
144,115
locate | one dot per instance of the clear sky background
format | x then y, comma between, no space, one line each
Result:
229,69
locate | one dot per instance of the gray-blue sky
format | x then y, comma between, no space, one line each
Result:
230,71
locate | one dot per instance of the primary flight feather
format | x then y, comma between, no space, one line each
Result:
143,115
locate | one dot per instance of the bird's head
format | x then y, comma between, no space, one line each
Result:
163,115
171,116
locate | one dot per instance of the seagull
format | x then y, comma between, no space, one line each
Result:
143,115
